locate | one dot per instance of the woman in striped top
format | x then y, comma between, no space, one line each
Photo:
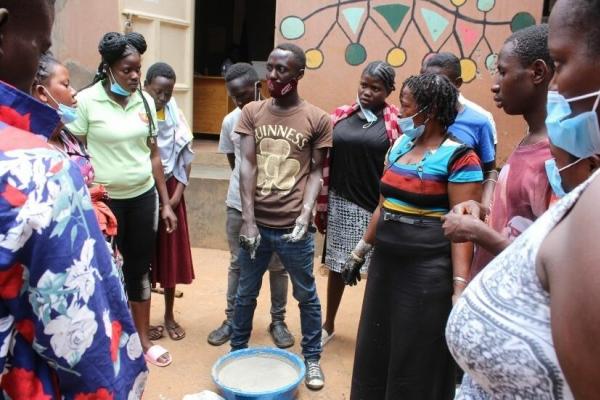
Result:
415,271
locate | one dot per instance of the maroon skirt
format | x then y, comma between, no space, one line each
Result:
173,261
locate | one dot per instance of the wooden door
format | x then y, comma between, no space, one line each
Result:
168,26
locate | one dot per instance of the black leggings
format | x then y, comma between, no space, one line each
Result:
137,220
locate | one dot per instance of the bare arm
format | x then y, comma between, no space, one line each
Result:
369,235
569,258
159,177
248,171
462,253
460,228
313,185
179,189
489,183
489,239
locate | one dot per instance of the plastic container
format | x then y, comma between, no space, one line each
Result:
285,388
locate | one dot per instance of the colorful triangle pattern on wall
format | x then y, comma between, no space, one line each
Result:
393,13
436,23
353,16
468,34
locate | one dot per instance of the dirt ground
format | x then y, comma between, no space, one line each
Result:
201,309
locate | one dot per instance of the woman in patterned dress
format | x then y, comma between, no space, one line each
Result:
528,325
52,86
415,272
362,134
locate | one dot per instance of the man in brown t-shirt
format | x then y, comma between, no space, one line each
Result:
283,143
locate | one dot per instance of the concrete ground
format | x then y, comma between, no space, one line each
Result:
201,309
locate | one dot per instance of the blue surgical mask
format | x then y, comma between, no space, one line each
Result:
115,87
407,126
578,135
67,114
369,115
554,178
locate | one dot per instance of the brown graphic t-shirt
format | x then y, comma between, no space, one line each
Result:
284,145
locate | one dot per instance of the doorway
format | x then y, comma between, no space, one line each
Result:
226,32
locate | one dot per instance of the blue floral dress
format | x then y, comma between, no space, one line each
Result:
65,329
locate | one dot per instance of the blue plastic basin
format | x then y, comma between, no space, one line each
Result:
287,392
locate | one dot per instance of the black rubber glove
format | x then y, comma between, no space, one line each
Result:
351,269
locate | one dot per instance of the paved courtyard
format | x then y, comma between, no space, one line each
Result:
201,309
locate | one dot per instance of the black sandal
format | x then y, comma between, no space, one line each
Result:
156,332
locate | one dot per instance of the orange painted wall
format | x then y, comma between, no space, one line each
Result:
78,27
338,33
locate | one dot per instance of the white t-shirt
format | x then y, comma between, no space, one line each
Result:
464,101
229,142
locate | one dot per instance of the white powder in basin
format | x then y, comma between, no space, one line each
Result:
257,373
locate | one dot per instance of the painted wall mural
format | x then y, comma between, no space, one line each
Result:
340,37
437,24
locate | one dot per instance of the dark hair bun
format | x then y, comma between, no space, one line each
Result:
113,45
137,40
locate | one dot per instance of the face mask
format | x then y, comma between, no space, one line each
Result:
554,178
116,88
407,126
578,135
369,115
67,114
278,89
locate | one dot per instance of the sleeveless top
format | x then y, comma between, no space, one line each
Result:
499,331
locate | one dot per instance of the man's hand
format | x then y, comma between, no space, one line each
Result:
168,217
299,230
249,238
460,228
351,269
471,207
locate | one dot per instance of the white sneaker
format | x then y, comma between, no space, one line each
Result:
326,337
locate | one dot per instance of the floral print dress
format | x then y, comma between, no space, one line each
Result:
65,328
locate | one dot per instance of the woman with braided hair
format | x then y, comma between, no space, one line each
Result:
52,86
362,134
415,272
117,121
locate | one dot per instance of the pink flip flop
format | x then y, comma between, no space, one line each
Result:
154,353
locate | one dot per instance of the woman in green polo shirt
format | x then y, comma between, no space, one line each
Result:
117,120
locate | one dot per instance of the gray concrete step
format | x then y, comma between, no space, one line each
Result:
205,196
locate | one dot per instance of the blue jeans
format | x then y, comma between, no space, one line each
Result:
278,277
297,258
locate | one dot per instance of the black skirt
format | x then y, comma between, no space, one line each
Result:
401,350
